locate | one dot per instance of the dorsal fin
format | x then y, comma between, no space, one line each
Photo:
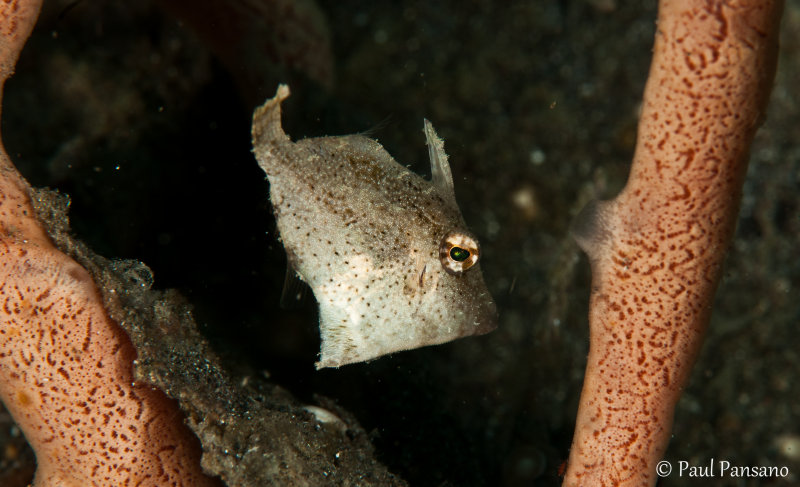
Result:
441,177
267,120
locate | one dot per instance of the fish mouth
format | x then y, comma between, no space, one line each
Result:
486,327
488,319
479,318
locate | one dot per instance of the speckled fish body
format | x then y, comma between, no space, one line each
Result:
386,252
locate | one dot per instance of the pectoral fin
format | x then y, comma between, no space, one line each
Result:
295,289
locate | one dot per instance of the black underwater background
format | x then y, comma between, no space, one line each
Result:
144,122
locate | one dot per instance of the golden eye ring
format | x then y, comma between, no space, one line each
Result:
458,252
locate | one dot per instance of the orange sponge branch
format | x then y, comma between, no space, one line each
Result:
66,369
657,248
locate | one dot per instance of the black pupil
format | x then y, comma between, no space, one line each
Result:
458,254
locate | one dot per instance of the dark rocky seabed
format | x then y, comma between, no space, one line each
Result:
125,110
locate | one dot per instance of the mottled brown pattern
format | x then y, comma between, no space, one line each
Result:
65,368
657,248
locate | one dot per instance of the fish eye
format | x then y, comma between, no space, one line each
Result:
458,252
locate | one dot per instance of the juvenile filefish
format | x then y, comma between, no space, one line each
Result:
386,253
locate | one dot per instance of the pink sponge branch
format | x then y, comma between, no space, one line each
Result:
66,369
657,248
